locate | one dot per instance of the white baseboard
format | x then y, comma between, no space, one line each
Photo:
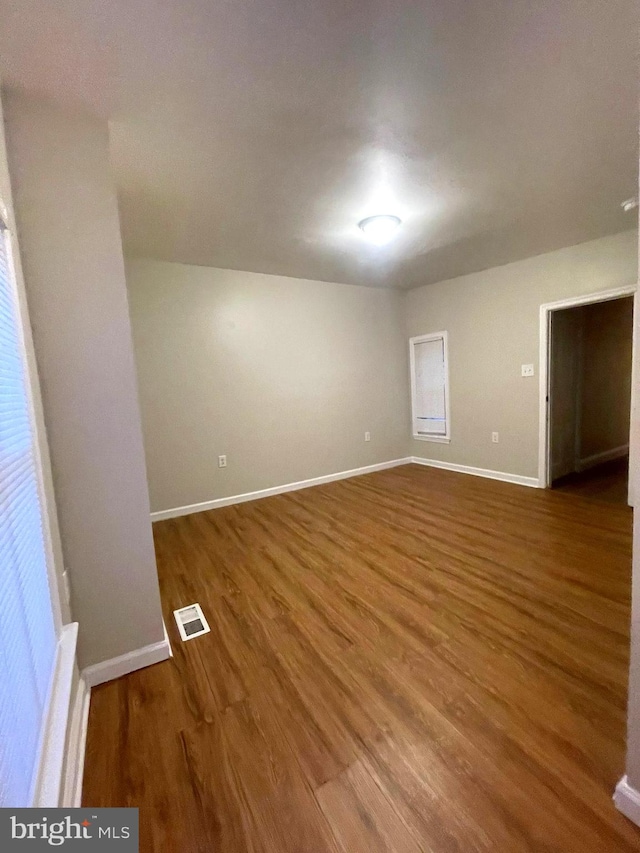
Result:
275,490
76,743
532,482
605,456
131,661
48,784
627,800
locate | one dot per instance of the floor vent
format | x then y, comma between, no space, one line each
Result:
191,622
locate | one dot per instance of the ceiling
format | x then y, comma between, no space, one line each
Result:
255,134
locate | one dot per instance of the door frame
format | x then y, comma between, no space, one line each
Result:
544,370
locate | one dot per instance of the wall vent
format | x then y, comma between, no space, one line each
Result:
191,622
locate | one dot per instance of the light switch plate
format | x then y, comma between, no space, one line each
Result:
527,370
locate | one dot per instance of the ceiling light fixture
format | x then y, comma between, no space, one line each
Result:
629,205
380,229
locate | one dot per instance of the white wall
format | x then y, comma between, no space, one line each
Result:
493,322
282,375
73,268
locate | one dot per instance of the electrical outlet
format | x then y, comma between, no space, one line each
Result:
527,370
222,461
495,437
367,436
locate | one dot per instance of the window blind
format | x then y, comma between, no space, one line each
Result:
430,387
27,631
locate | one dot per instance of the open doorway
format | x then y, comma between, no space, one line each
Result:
589,359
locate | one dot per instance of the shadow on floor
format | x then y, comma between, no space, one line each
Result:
607,482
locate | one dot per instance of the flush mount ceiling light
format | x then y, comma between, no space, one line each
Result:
629,205
380,229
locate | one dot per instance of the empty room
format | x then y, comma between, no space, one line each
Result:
319,441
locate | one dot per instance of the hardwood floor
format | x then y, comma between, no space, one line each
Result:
413,660
608,482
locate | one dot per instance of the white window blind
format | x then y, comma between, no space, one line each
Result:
27,632
430,386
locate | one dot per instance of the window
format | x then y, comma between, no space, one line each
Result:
429,363
27,633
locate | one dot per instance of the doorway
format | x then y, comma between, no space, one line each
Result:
586,395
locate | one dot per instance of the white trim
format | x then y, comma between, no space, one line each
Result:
48,784
627,800
577,432
421,339
633,449
76,745
543,370
520,480
275,490
107,670
605,456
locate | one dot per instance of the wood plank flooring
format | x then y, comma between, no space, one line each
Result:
608,482
413,660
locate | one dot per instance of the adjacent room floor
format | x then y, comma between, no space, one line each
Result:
409,660
608,482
